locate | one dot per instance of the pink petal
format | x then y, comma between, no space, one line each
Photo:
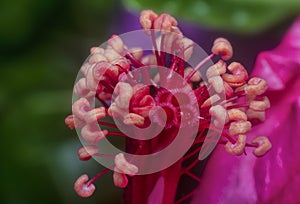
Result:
274,178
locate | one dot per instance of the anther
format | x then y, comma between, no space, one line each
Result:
147,18
223,47
80,107
239,127
164,22
253,114
96,50
211,100
264,145
82,188
133,119
260,105
217,69
125,92
124,166
220,114
217,83
94,115
237,148
120,179
95,58
116,43
236,115
86,152
238,77
195,78
72,122
92,133
256,86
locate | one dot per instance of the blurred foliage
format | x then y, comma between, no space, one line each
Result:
42,46
240,16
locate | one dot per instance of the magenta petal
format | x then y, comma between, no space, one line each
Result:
280,65
274,178
277,175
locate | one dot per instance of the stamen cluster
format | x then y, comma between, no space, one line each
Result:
104,75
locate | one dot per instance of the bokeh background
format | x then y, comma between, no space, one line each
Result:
44,43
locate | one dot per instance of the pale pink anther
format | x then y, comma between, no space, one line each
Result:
239,127
237,148
114,111
80,88
95,58
164,22
147,18
95,114
84,68
122,64
253,114
260,105
82,188
99,70
256,86
111,55
149,60
236,115
125,92
220,115
91,82
217,83
86,152
96,50
92,133
133,119
211,100
223,47
136,52
228,90
116,43
195,78
120,179
124,166
264,145
238,77
80,107
185,45
73,122
169,43
217,69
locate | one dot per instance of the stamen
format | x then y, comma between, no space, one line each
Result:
264,145
80,107
260,105
124,166
133,119
237,148
197,68
95,114
236,115
120,179
91,133
90,182
83,188
72,122
239,127
223,47
253,114
86,152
